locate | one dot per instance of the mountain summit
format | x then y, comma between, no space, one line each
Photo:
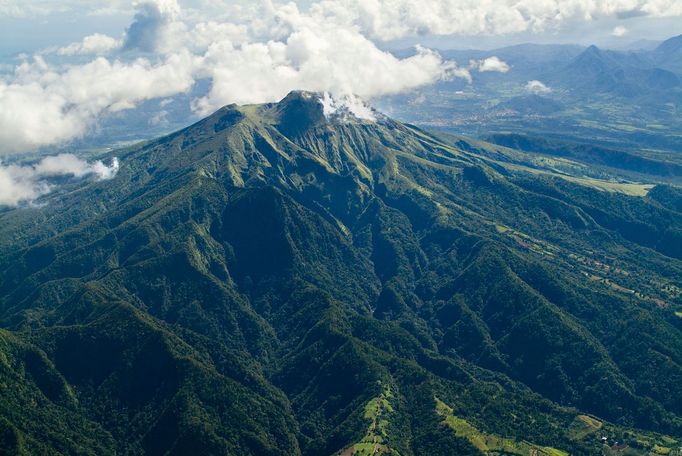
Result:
310,277
300,111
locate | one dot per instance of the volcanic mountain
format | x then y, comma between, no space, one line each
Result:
311,277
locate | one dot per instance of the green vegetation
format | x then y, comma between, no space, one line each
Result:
376,441
584,426
490,443
622,441
268,282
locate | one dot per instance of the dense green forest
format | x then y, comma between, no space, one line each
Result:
270,281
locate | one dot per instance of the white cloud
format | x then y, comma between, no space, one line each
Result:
278,50
537,87
491,64
206,33
619,31
97,44
154,27
335,60
389,19
42,106
21,184
346,106
392,19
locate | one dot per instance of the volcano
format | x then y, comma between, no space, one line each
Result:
311,277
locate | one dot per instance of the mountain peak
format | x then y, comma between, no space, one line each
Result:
591,53
300,96
593,60
298,112
301,110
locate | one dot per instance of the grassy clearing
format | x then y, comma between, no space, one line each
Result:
490,443
661,450
625,188
377,412
630,442
584,426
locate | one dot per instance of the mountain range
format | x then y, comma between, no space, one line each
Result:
626,74
623,100
289,279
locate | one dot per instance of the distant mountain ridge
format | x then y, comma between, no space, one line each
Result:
669,54
670,46
625,74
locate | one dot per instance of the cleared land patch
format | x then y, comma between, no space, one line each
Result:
376,440
490,443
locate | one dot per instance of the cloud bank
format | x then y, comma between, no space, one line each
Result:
393,19
402,16
44,106
334,60
23,184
